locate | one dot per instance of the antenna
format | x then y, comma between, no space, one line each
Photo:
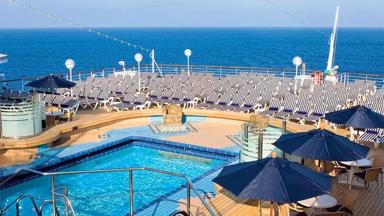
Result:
330,70
152,55
153,62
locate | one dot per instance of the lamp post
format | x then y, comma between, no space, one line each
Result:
70,64
188,53
297,61
122,64
138,57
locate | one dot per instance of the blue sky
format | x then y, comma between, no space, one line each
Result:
195,13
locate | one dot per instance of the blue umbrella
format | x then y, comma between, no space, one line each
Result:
357,117
321,145
273,179
51,82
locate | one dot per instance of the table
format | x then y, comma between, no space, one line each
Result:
51,118
359,163
320,202
354,168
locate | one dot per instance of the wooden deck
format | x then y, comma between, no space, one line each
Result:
91,121
370,201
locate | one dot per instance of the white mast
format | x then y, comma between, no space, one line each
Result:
152,55
153,63
332,44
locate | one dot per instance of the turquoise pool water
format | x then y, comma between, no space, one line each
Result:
108,193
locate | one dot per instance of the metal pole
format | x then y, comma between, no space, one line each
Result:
131,192
188,199
138,69
53,195
297,67
70,79
152,55
284,126
188,66
260,144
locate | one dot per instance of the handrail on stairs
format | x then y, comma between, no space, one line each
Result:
189,184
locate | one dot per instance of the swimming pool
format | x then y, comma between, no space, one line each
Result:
108,193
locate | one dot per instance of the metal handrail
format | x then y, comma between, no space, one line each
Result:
66,198
39,210
21,197
130,170
48,202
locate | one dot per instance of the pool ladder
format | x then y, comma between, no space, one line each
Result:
54,188
39,210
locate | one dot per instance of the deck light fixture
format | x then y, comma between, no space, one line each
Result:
122,64
297,61
138,58
188,53
70,64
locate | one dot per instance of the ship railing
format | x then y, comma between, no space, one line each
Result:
190,187
344,77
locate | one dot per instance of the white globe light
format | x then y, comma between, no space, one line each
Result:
70,64
138,57
122,63
188,52
297,61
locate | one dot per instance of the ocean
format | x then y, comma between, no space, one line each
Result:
35,52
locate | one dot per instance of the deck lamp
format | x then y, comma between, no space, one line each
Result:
70,64
297,61
188,53
138,57
122,64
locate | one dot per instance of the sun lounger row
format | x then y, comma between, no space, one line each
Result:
14,96
244,92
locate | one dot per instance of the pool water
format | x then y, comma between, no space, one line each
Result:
108,193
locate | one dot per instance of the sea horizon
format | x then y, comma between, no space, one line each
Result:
41,51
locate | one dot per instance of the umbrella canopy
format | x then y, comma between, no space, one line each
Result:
273,179
322,145
52,82
357,117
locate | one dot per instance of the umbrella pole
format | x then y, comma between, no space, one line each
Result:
270,209
259,207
